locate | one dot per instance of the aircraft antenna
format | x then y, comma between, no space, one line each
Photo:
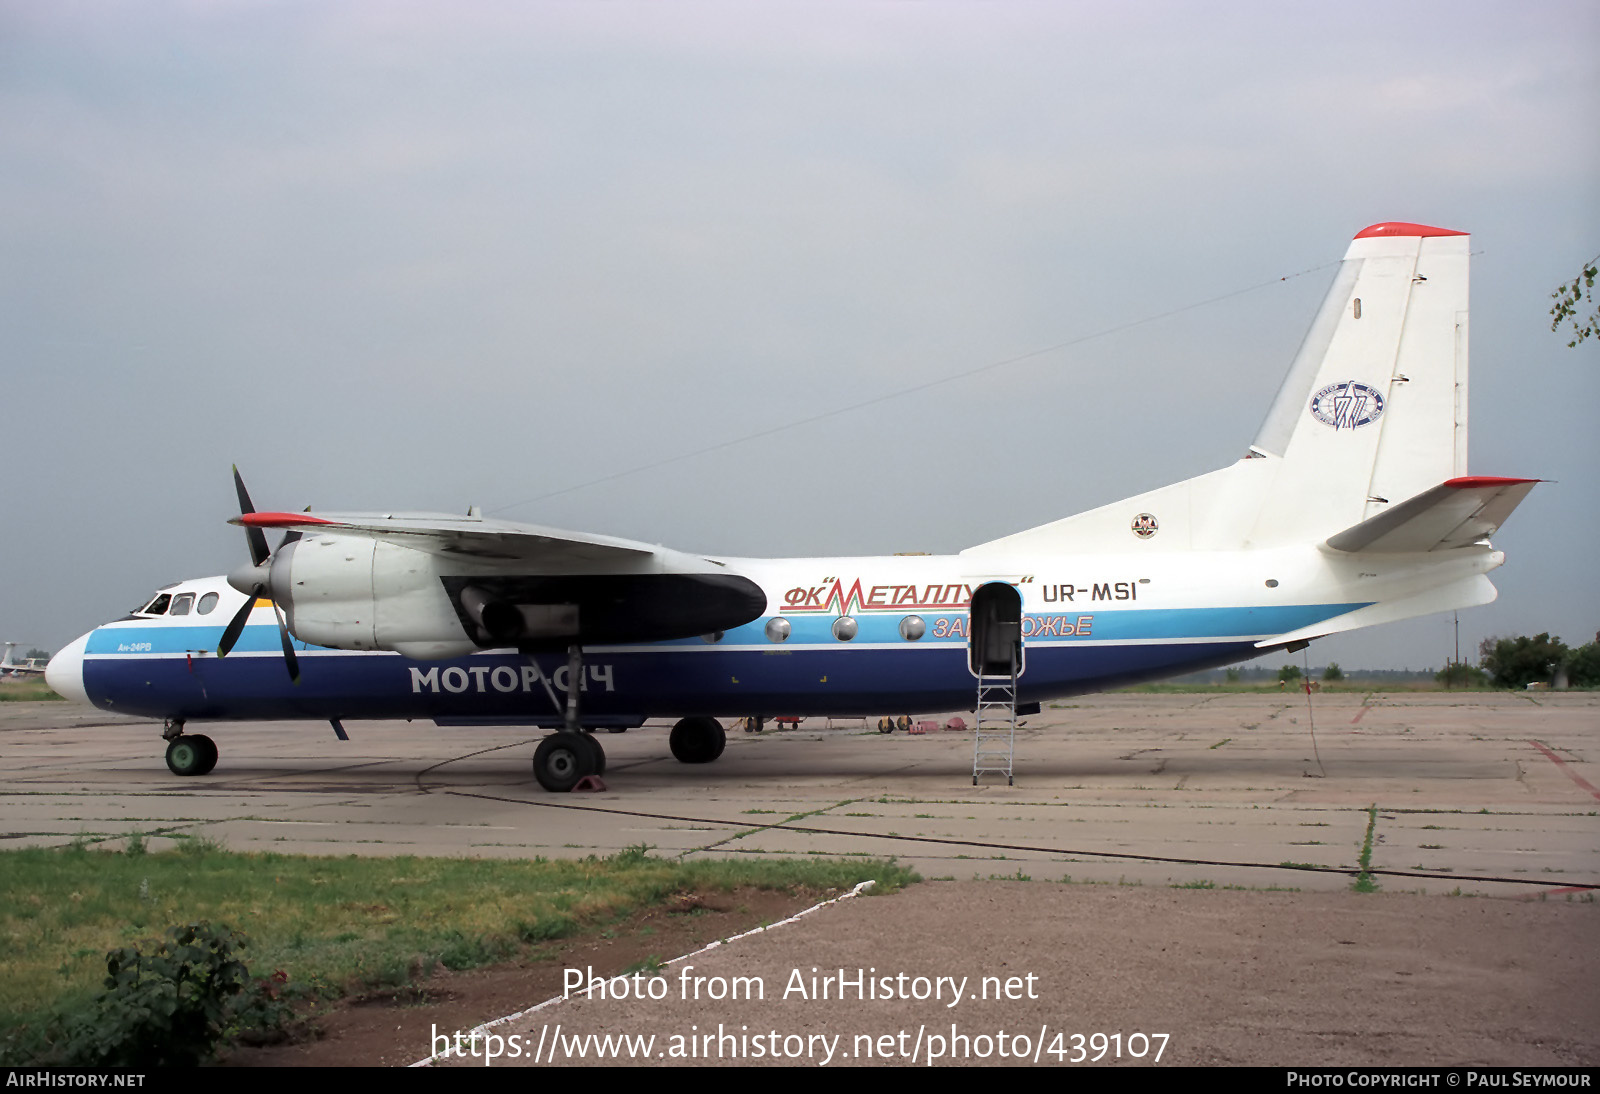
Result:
912,389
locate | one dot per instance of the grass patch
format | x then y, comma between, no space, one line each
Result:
28,691
336,925
650,966
1364,882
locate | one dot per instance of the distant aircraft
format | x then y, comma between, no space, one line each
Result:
10,666
1353,507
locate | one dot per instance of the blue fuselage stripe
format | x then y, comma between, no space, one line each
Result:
719,682
144,670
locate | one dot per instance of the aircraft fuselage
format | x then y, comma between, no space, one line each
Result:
871,635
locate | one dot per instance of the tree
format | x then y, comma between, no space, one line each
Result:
1518,662
1333,672
1288,674
1583,666
1575,304
38,655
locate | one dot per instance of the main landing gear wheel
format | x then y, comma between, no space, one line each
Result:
598,754
191,754
563,758
697,740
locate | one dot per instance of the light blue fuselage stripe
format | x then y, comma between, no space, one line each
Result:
1191,624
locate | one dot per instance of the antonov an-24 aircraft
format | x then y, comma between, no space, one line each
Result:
1353,507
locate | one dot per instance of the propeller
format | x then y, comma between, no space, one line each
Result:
254,582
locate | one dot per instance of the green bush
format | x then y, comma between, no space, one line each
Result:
166,1008
264,1013
1459,674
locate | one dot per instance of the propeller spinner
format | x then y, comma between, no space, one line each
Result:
254,581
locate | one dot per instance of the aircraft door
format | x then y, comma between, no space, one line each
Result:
995,634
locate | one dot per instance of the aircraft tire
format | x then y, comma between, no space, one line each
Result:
596,753
561,760
187,755
697,740
210,747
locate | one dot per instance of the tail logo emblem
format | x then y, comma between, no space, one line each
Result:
1144,525
1347,406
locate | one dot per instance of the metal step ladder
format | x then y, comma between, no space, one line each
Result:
995,736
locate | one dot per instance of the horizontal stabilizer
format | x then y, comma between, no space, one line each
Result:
1456,513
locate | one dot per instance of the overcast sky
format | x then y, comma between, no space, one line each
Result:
392,255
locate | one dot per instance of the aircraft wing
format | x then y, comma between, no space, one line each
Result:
1456,513
472,537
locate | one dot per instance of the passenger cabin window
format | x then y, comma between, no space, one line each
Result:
182,604
207,603
158,606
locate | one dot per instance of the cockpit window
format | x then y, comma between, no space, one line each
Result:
158,606
182,604
207,603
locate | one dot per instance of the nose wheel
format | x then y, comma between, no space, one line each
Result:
191,754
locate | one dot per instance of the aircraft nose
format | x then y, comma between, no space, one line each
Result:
64,673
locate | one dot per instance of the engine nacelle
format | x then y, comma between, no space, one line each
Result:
358,593
354,593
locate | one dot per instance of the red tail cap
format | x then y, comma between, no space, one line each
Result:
1404,228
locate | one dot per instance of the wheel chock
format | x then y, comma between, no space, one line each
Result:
593,784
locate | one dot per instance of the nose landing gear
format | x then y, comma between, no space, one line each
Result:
188,753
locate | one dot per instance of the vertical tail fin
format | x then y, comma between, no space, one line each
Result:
1374,409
